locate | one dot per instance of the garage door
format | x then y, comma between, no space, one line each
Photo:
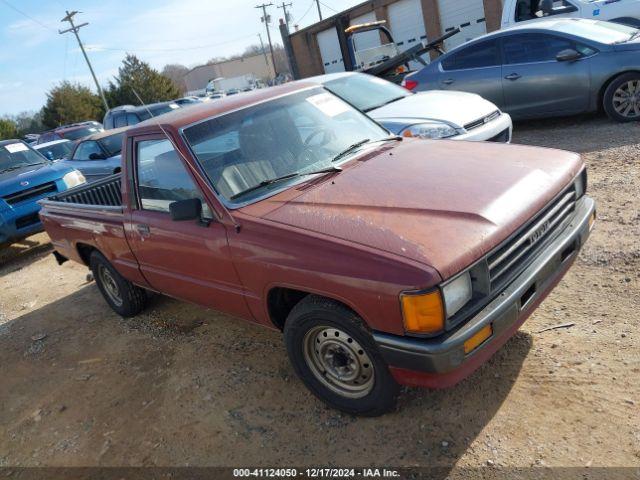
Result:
367,39
330,51
466,14
407,25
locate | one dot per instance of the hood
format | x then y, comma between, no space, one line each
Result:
441,203
14,180
455,108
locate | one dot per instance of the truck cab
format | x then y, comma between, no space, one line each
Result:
626,12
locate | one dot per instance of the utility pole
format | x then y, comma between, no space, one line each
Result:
266,18
264,52
319,11
286,14
74,29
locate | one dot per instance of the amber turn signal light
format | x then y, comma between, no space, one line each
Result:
423,313
478,339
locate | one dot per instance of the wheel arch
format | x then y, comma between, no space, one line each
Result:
281,299
84,252
608,82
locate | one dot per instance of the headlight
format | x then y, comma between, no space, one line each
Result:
457,293
431,130
422,312
73,179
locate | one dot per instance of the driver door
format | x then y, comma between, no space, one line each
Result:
535,83
188,260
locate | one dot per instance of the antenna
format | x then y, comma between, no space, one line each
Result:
236,225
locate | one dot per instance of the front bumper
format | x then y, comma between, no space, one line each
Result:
501,127
441,361
20,222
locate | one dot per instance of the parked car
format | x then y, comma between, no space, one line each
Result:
216,95
98,156
56,149
26,177
383,260
546,68
188,100
626,12
435,114
126,115
71,132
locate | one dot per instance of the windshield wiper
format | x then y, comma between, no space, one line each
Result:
16,167
350,149
271,181
384,103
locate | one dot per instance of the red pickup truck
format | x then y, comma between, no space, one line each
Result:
384,260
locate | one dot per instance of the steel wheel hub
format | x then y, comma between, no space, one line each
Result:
626,99
110,285
338,361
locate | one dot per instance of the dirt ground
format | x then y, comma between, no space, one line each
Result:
182,385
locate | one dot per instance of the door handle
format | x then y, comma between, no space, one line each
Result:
143,229
513,76
448,81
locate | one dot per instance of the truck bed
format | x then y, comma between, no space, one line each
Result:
103,193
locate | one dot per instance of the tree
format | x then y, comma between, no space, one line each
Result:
28,122
176,72
8,129
70,103
134,74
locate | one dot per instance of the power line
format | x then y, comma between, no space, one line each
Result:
129,49
308,10
330,8
26,15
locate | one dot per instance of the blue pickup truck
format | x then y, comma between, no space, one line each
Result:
26,177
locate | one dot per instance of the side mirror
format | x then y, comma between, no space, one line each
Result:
568,55
96,156
182,210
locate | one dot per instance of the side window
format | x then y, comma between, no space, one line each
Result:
132,119
85,149
531,48
163,178
478,55
120,120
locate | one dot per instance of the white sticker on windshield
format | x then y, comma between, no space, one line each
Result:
16,147
174,106
328,104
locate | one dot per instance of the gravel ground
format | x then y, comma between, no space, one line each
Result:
182,385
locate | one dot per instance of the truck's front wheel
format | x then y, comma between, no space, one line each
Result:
335,356
123,297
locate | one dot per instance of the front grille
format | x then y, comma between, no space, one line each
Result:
482,121
30,193
502,137
27,221
509,259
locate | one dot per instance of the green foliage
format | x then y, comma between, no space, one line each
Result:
70,103
8,129
134,74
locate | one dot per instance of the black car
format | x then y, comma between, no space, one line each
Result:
126,115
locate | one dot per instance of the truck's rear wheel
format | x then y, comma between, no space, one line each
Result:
622,98
337,359
123,297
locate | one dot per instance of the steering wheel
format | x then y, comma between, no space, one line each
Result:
327,136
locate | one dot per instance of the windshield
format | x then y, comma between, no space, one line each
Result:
112,144
601,32
80,133
57,150
366,92
17,155
297,133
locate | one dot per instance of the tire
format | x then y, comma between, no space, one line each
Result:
123,297
356,379
622,87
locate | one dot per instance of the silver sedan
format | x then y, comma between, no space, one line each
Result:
548,68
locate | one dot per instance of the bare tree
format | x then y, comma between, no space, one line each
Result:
176,73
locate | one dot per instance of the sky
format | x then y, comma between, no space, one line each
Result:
34,56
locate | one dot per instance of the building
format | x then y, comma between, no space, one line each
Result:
317,50
260,66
